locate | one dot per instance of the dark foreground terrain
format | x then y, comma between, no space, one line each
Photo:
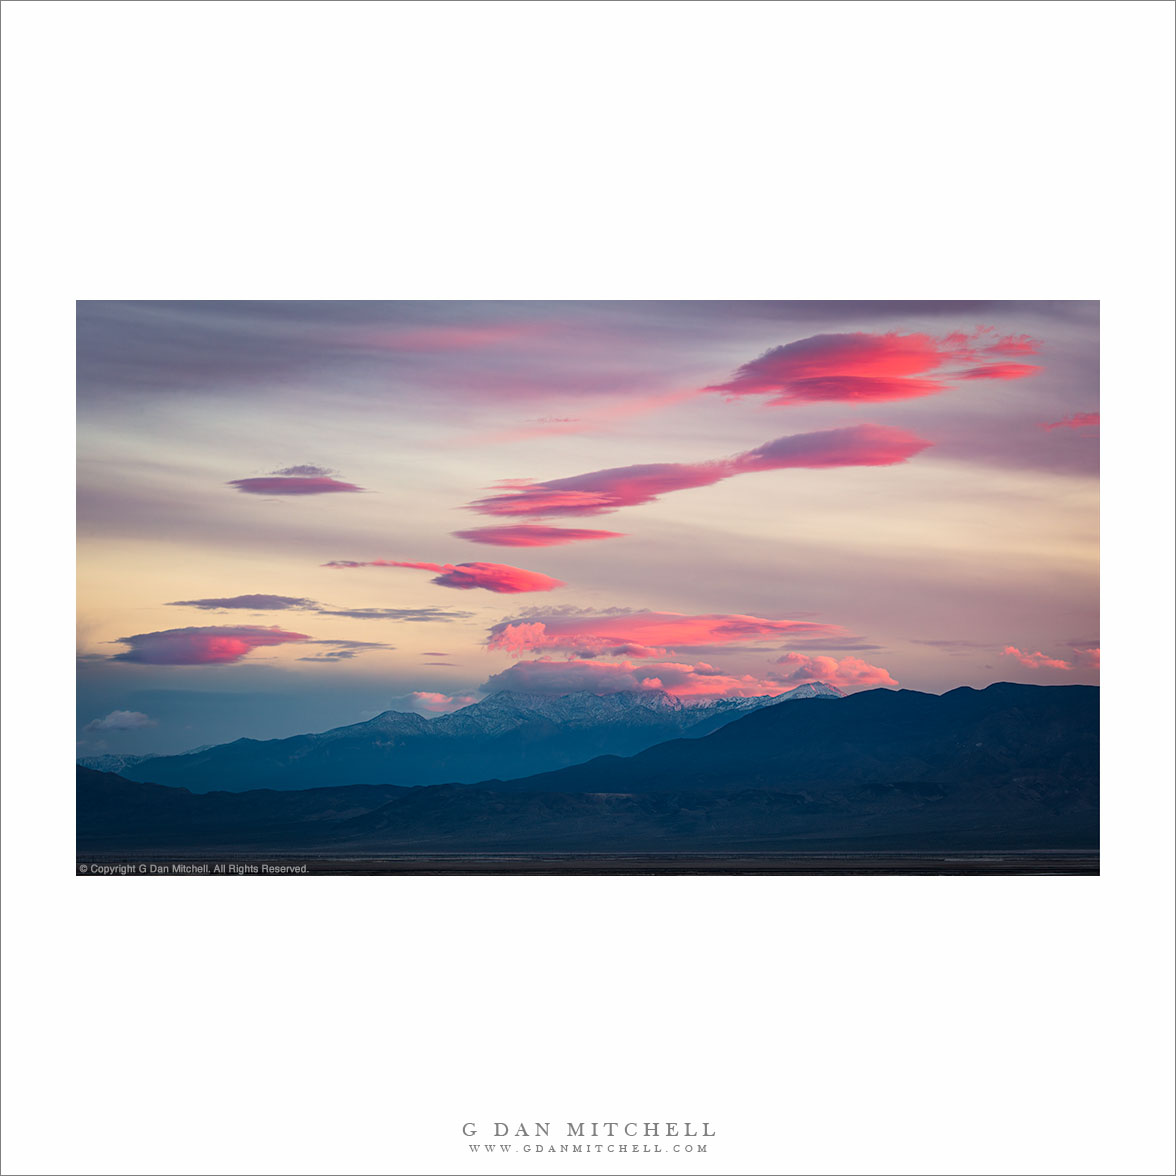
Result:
1003,780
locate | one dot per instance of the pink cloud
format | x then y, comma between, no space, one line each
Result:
492,577
1087,658
532,535
207,645
1014,345
998,371
606,490
864,367
683,679
436,703
1080,420
1035,661
640,634
849,673
281,484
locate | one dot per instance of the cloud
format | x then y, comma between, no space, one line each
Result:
998,371
343,650
606,490
394,614
848,673
532,535
262,602
639,634
258,601
492,577
121,720
1035,661
302,471
1080,420
432,702
1086,657
545,676
864,367
209,645
294,485
1014,345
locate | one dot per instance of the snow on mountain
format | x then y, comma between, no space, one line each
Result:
507,734
111,763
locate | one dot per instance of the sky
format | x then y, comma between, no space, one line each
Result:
296,515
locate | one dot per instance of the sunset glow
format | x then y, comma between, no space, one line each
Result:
714,500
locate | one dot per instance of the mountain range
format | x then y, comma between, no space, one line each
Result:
1011,766
507,734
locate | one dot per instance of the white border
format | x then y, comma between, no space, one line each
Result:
589,150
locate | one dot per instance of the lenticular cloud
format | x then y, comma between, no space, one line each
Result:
532,535
863,367
284,484
607,490
492,577
641,634
202,645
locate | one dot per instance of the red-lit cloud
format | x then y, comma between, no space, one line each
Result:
606,490
1013,345
640,634
1086,657
532,535
281,484
998,371
492,577
198,646
683,679
436,703
1080,420
863,367
848,673
1035,661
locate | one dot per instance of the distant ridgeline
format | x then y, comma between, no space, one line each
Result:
507,734
1011,766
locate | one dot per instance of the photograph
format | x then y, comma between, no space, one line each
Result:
588,587
611,513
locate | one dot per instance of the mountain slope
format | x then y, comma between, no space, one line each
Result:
1033,736
1004,768
506,734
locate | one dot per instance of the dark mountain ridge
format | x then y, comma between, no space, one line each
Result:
1032,735
1007,767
